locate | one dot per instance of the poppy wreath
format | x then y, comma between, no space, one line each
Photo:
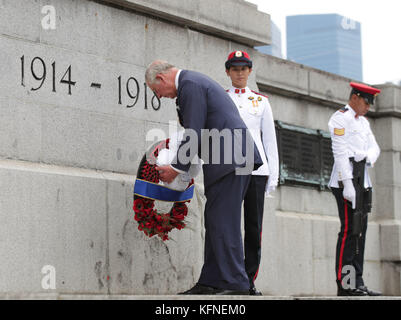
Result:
150,221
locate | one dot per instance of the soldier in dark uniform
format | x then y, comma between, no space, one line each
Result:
355,150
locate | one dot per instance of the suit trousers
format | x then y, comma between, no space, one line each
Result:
347,259
253,220
224,266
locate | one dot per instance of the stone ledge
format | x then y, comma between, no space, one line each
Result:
389,101
236,20
298,81
51,296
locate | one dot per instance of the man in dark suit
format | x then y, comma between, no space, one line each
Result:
215,130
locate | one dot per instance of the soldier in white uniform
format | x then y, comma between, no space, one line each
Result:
256,112
355,150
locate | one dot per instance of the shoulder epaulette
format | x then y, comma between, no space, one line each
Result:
259,94
343,110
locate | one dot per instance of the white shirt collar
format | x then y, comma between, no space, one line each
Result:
353,113
177,76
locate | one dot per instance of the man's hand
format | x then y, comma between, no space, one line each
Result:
349,192
167,174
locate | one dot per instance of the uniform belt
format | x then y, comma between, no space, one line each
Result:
358,170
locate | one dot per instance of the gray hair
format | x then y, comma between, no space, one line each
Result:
155,68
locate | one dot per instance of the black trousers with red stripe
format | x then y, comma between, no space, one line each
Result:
253,219
346,255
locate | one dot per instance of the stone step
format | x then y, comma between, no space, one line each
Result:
50,296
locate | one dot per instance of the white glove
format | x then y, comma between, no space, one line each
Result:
270,189
349,192
360,156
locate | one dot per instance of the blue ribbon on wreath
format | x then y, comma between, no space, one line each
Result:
156,191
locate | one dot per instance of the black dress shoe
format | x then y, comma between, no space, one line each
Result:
226,292
201,289
341,292
369,292
254,292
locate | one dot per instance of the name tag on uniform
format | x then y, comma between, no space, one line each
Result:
339,132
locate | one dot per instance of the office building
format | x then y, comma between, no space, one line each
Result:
328,42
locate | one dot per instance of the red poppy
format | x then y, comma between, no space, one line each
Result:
138,205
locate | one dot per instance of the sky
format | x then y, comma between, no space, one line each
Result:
380,23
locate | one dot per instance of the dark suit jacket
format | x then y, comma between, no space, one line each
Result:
204,104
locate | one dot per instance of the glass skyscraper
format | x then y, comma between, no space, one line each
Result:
274,48
328,42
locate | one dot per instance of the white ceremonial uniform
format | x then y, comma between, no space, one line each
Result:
351,136
256,112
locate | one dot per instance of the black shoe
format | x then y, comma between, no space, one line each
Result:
254,292
201,289
341,292
369,292
226,292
